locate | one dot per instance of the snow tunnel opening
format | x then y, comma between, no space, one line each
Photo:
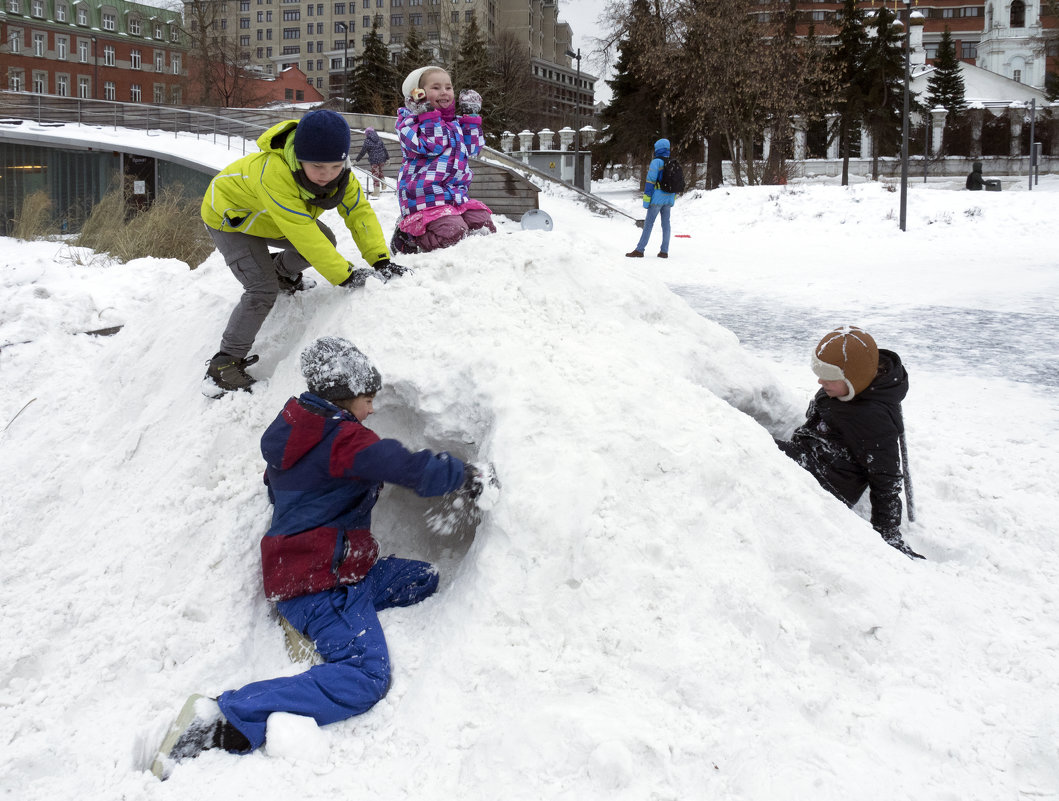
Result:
436,530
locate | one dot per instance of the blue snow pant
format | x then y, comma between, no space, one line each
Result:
344,624
649,224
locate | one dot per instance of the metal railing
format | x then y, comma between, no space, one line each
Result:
154,120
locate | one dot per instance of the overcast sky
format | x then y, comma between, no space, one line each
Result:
583,16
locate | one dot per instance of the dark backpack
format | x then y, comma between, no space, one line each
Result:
671,178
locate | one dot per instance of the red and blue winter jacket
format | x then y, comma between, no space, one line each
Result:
435,170
324,473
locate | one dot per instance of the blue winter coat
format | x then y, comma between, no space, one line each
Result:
652,195
324,473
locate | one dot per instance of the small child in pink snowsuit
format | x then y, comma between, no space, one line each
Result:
437,145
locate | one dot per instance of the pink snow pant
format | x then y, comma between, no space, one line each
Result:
450,229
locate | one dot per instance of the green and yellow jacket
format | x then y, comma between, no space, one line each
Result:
258,195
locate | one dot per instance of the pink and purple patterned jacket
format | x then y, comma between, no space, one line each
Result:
436,167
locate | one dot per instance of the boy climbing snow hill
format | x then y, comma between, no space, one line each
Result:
850,438
319,559
439,137
275,198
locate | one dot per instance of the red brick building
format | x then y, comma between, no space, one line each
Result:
109,50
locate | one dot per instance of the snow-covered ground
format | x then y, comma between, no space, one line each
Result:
660,606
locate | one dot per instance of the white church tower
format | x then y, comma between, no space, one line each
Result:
1011,44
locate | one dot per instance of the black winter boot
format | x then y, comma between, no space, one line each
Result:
229,373
198,727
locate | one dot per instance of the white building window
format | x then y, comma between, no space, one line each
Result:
40,82
159,93
108,55
135,59
14,6
16,80
40,41
84,87
82,15
1016,76
135,93
14,40
82,50
62,48
174,61
110,21
159,62
60,12
135,26
109,92
62,85
38,8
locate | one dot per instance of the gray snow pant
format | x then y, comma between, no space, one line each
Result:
257,269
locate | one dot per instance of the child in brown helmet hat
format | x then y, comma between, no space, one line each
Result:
850,438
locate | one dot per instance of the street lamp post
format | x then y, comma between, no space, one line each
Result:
345,65
579,170
904,113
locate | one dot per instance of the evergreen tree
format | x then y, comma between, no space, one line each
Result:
945,86
630,121
415,55
883,70
471,70
375,89
1051,86
847,62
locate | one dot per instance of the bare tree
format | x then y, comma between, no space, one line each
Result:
218,73
510,91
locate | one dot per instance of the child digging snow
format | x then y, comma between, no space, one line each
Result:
850,438
437,145
275,198
319,559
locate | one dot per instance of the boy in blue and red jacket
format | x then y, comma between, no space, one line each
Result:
319,559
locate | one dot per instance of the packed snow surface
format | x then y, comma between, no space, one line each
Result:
660,604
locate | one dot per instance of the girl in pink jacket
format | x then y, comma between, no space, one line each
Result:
438,139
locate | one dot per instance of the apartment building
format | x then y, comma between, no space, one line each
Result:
109,50
318,37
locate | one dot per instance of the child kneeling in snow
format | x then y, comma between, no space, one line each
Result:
850,438
437,146
319,559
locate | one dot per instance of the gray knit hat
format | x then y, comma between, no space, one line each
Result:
336,370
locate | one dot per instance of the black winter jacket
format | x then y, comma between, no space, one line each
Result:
855,443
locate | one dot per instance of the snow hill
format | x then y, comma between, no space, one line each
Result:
660,606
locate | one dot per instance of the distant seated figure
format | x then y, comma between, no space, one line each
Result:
975,182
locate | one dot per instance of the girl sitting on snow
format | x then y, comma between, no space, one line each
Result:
437,145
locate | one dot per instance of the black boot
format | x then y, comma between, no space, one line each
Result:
229,373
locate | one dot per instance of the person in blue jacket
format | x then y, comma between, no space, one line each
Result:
657,203
320,562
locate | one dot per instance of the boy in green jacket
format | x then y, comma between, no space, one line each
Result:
275,197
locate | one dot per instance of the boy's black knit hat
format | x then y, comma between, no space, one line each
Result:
321,136
336,370
847,354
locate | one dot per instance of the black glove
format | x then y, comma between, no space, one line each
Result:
387,269
470,102
417,102
895,540
359,277
472,482
476,477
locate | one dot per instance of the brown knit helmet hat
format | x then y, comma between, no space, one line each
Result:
847,354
